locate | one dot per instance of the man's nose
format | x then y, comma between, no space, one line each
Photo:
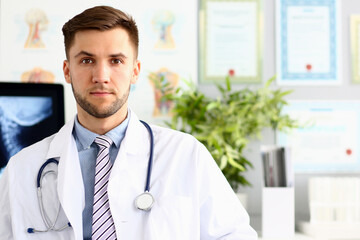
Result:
101,73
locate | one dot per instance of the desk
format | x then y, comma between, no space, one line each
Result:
298,236
322,232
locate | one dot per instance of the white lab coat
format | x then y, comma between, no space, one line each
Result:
192,198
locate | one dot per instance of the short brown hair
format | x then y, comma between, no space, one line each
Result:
100,18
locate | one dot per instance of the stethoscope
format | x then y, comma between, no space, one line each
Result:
143,202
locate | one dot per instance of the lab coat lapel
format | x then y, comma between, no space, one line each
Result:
128,178
136,135
70,183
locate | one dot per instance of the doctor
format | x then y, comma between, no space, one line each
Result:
192,199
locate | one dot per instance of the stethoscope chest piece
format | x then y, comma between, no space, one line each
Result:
144,201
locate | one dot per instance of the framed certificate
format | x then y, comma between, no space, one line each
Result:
229,41
355,47
308,42
329,141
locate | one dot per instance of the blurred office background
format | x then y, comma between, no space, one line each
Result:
31,50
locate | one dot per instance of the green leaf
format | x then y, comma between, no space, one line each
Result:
211,106
223,162
228,84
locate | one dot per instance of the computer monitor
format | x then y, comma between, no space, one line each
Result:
29,112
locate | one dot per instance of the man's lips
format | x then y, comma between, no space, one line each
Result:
100,93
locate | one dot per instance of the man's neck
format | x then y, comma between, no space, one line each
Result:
101,125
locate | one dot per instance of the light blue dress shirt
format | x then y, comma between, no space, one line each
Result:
87,155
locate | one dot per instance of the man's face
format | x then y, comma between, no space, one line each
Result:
101,67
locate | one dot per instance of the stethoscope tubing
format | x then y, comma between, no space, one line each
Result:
149,170
46,219
49,225
51,160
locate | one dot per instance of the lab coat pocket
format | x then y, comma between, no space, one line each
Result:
173,217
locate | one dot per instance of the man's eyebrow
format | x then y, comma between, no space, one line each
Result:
84,53
118,55
91,55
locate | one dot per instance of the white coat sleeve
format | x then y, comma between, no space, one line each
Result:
5,212
221,214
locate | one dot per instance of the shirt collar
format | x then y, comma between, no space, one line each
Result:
86,137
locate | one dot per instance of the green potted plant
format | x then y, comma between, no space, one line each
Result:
226,124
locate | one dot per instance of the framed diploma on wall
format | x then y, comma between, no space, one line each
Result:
329,140
230,34
308,48
355,47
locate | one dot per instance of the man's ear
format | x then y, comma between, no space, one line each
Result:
136,72
66,70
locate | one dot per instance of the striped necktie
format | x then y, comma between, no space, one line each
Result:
102,223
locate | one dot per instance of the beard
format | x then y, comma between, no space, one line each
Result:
100,112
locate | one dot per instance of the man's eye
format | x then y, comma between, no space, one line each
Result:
116,61
86,61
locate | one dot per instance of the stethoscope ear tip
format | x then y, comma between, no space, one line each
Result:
30,230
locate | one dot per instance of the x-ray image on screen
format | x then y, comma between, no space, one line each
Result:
24,120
